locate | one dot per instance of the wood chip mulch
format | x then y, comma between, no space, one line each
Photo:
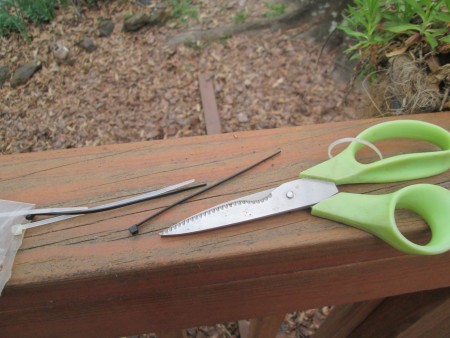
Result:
133,87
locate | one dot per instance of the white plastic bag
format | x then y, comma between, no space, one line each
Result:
13,222
10,243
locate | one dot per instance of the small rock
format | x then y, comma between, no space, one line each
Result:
304,110
105,27
87,44
135,22
160,14
24,73
4,74
60,51
20,126
182,121
242,117
194,121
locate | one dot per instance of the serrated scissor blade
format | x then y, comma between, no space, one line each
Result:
289,196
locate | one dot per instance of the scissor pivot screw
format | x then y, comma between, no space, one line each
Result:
290,194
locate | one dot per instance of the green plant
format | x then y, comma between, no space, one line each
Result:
361,22
38,11
10,23
274,9
15,14
240,17
379,26
182,10
425,17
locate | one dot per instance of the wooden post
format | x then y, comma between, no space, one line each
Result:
265,327
343,319
420,314
212,119
172,334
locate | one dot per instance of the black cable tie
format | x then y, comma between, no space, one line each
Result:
134,229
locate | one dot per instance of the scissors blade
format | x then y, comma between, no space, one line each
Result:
294,195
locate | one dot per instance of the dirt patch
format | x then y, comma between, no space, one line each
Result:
133,87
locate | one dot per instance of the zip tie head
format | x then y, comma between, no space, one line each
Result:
134,230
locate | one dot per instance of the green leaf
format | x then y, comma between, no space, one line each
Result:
402,28
437,31
445,39
357,47
431,40
417,7
393,17
441,16
354,57
447,3
382,39
351,32
373,5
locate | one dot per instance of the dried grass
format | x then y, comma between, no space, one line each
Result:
405,88
412,87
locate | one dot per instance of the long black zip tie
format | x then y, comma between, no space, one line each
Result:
134,229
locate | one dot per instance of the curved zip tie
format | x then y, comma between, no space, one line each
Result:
19,228
40,211
123,203
354,139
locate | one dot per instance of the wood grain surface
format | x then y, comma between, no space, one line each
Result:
89,277
212,119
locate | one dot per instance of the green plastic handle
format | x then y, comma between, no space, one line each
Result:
376,215
345,169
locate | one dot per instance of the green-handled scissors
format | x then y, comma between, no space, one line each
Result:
371,213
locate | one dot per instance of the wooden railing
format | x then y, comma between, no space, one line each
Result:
88,277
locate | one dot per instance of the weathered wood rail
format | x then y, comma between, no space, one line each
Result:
87,277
